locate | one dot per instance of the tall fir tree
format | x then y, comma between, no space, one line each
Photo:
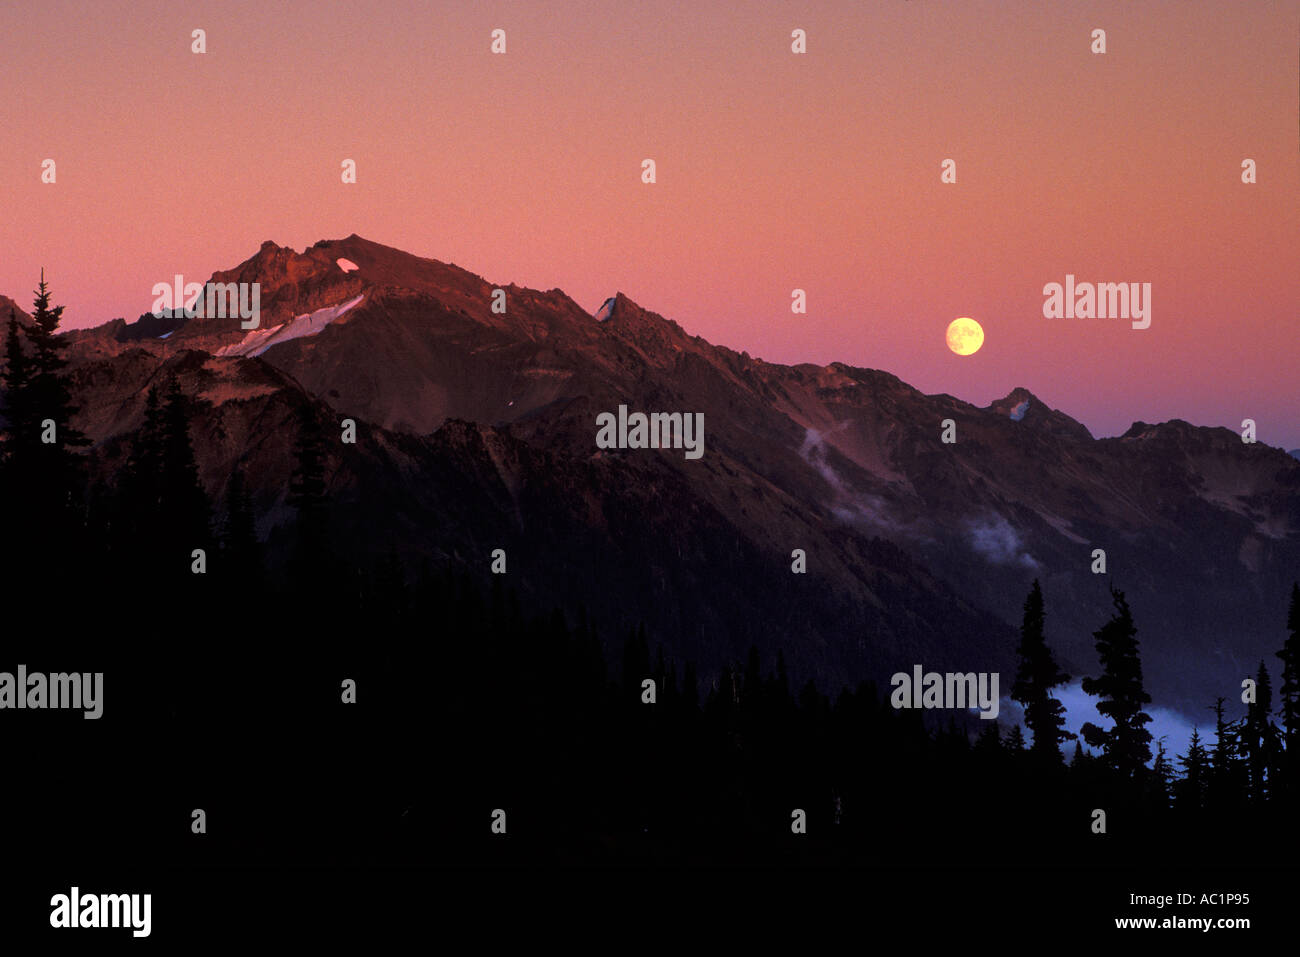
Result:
1036,676
1262,740
1015,742
15,452
1078,759
50,394
19,428
1226,784
1288,694
161,512
1162,778
1126,745
1190,791
43,473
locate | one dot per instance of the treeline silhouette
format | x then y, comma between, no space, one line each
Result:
336,712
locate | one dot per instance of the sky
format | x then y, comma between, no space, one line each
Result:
775,171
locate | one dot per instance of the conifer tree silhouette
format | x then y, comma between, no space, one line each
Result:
42,469
1015,742
1126,745
1036,676
1078,759
19,428
1162,778
1289,697
1190,790
1262,739
1226,784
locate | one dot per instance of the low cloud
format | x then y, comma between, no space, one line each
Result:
849,506
996,540
1166,723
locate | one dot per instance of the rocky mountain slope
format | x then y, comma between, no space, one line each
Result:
479,432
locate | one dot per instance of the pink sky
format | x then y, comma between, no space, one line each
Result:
775,171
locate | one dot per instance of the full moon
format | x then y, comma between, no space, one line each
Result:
965,336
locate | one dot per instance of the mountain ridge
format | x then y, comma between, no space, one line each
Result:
843,462
397,269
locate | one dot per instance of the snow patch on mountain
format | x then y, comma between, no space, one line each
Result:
1019,411
257,341
606,310
347,265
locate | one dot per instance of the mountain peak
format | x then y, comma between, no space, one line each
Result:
1020,394
1184,438
1147,430
623,310
620,307
662,341
1021,405
1181,434
378,264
